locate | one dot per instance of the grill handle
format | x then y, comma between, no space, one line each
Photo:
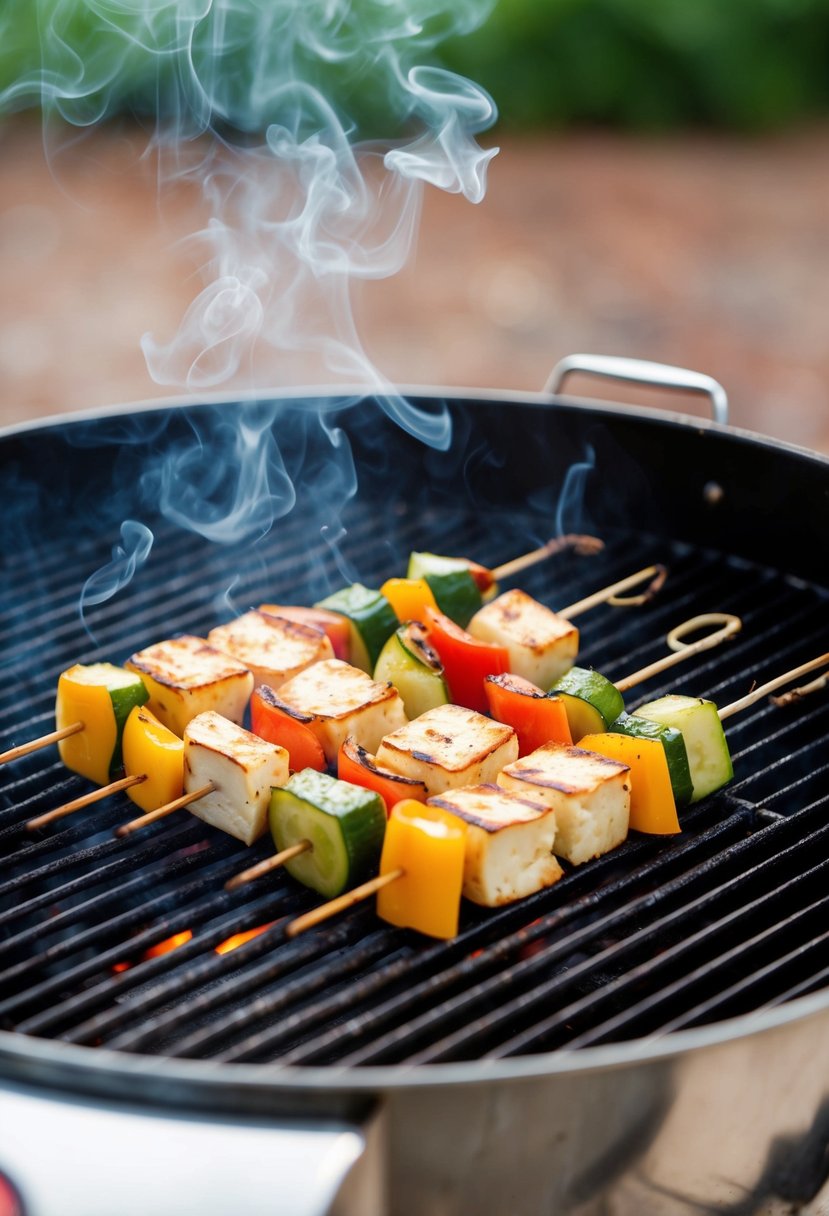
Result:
642,371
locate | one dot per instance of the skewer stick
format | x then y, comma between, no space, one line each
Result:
582,544
613,593
23,749
681,650
771,686
269,864
126,829
347,900
79,803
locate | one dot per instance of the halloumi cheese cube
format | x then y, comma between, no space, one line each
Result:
590,795
541,645
342,700
185,676
509,843
272,647
449,746
242,769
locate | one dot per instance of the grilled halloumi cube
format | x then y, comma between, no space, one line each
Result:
342,700
242,769
590,795
448,747
272,647
185,676
541,645
509,843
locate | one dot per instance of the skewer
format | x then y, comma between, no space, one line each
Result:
78,804
126,829
612,594
322,913
347,900
55,736
681,650
268,865
582,544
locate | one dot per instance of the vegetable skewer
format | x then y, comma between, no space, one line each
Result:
389,876
581,544
472,769
169,663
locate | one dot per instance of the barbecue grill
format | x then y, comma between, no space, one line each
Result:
648,1035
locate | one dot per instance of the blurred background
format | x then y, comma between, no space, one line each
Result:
661,191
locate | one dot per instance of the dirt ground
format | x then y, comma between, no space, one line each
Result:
707,252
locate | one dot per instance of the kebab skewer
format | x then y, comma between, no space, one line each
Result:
393,871
188,675
108,708
449,748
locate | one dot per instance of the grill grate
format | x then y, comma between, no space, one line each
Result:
659,935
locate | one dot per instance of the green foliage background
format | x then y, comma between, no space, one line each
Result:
640,64
651,64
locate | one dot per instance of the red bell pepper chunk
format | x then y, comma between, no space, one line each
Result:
333,623
467,661
535,716
271,719
356,765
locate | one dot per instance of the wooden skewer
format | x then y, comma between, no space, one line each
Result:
126,829
269,864
612,593
771,686
23,749
681,650
347,900
79,803
557,544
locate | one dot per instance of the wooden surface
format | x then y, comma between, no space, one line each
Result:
707,252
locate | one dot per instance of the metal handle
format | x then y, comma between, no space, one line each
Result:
641,371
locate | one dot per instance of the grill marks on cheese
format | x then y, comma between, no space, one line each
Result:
274,648
509,843
589,793
186,676
449,747
241,767
337,700
541,645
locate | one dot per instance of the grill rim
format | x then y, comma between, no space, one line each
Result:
187,1083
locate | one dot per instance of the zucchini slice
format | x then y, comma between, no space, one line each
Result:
709,759
372,620
409,663
673,744
343,823
452,583
591,701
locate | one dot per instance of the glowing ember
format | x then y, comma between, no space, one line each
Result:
239,939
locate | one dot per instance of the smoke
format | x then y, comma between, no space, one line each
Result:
310,128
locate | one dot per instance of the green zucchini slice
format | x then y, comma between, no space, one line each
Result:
708,756
372,621
590,699
343,823
409,663
451,582
673,744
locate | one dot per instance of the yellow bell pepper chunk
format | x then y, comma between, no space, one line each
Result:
83,696
408,597
428,844
652,805
156,754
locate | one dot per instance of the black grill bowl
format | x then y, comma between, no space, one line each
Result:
650,1032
